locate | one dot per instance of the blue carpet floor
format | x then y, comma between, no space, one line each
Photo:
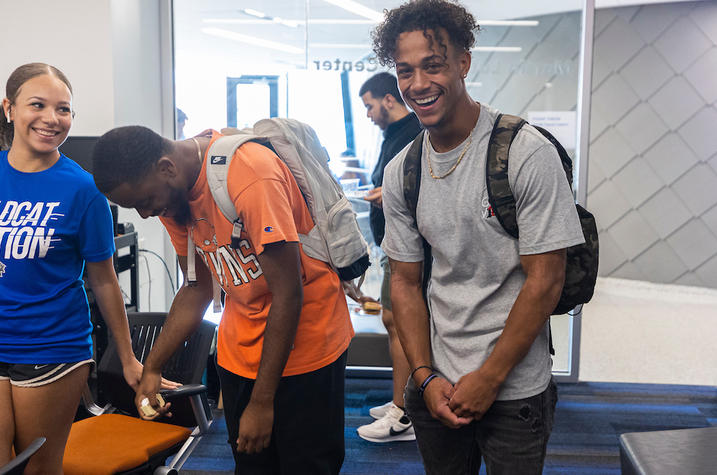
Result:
589,420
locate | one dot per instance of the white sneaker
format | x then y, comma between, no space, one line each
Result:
379,411
394,426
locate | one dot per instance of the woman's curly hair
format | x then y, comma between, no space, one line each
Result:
423,15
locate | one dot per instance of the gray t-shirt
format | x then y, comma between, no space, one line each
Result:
476,274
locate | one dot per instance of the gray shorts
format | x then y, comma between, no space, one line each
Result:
386,284
32,375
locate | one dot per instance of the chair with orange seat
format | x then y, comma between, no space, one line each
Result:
117,441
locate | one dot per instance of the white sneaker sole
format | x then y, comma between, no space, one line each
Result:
394,438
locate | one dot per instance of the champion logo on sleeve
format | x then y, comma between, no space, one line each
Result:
269,229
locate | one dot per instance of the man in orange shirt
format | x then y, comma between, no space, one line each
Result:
283,336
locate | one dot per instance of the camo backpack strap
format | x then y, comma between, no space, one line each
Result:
411,187
496,171
412,173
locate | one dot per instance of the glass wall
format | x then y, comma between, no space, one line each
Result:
238,61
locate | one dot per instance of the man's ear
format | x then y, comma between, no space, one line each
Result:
464,59
388,101
166,168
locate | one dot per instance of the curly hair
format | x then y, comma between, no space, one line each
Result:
126,155
424,15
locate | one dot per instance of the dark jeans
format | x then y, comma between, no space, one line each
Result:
511,437
308,432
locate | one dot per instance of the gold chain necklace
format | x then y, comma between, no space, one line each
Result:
199,150
460,157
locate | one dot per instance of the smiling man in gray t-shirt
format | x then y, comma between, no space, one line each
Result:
481,383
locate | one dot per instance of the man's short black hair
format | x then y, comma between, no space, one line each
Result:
381,84
424,15
126,155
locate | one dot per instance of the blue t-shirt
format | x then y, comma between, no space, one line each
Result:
50,223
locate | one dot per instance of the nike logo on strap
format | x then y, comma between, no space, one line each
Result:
40,366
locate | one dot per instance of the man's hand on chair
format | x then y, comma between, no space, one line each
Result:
133,375
146,398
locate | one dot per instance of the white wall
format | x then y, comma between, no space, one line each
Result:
110,51
137,97
77,40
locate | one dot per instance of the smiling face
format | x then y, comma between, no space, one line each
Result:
42,115
430,75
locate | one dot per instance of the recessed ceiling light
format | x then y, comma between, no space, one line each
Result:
252,40
252,12
358,9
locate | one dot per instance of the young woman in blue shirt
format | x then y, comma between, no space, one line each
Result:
53,223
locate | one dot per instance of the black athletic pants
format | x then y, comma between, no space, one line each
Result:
308,432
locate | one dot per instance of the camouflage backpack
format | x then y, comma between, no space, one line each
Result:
582,260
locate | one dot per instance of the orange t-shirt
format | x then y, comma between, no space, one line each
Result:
273,209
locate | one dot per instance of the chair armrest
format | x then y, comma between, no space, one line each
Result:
183,391
196,395
18,464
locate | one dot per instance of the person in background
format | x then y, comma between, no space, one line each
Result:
181,122
285,329
477,344
400,126
53,224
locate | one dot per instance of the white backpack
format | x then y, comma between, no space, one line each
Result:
335,238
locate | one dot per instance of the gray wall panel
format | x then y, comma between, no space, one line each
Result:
652,174
660,158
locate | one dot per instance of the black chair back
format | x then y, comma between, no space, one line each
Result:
186,366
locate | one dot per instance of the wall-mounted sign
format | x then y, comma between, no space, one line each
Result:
370,65
559,123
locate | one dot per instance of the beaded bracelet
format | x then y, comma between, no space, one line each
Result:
417,368
425,383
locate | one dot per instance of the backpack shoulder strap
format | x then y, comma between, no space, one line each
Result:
411,188
565,159
219,157
500,196
412,173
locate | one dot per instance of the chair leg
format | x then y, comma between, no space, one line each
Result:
184,452
165,471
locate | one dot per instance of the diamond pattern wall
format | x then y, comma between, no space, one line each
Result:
659,158
652,173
